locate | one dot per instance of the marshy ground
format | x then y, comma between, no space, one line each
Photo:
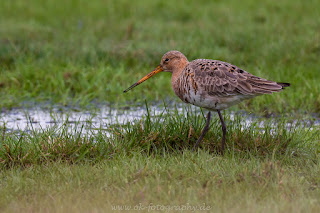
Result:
82,55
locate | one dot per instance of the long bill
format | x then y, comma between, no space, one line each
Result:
158,69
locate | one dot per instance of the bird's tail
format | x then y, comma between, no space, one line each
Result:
284,85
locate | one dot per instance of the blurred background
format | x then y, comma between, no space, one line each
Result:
86,52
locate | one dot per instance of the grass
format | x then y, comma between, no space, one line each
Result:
150,162
222,184
84,52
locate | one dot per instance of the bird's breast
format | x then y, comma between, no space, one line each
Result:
186,88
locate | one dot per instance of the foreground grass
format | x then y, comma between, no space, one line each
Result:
76,51
222,184
150,163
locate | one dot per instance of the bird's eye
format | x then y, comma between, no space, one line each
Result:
167,59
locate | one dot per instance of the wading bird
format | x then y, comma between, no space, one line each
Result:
211,84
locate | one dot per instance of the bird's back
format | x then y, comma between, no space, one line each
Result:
214,84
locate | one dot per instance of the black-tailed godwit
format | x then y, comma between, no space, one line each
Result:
211,84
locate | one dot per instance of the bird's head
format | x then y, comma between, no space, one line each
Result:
173,61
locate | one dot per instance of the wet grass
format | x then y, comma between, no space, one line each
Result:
84,52
169,132
150,162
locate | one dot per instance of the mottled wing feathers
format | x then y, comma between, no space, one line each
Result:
218,78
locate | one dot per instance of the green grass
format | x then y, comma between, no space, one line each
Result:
82,52
87,52
224,184
150,162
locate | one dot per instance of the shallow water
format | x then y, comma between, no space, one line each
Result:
89,122
38,118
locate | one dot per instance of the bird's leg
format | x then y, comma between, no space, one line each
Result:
224,131
204,131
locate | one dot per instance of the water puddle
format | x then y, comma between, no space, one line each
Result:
89,122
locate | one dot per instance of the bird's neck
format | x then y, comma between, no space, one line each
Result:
178,71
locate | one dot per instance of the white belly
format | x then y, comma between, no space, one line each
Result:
213,102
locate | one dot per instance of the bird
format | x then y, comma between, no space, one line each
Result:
211,84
